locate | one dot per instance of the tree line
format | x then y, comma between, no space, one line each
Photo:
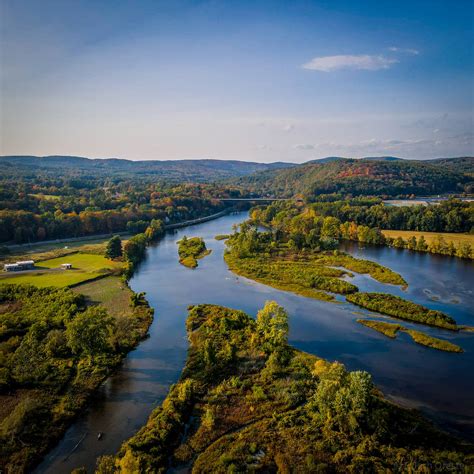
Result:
306,227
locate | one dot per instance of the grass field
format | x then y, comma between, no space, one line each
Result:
110,292
429,236
85,267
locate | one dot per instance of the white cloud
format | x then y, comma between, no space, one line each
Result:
288,127
304,146
412,51
362,61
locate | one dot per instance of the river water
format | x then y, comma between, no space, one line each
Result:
440,384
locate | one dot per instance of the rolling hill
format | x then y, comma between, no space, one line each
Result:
394,177
178,170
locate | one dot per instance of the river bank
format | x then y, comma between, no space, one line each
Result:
411,375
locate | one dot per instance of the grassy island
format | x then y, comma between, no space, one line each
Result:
433,342
387,329
190,250
391,330
222,236
310,273
56,347
399,308
249,402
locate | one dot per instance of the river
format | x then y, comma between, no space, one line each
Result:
439,383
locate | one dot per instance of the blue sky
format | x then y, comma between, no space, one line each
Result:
260,81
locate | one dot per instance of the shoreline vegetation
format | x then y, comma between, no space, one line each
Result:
391,330
431,237
247,401
191,250
402,309
316,274
447,226
58,344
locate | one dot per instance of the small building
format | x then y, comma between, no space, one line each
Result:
11,267
19,266
66,266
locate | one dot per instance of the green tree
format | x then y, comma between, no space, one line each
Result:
421,245
272,325
155,230
438,245
88,333
411,243
464,250
30,362
134,248
114,247
331,228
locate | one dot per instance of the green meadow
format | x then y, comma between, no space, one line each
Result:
49,273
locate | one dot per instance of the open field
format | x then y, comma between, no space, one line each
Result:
110,292
85,267
429,236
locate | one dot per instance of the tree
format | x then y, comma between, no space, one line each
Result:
88,333
464,250
114,247
411,243
272,326
155,230
438,245
421,245
399,243
134,248
331,228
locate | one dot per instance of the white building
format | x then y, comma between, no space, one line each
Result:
19,266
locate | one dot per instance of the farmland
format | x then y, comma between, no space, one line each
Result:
110,292
85,267
456,239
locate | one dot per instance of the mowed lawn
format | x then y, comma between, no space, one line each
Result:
85,267
429,236
110,292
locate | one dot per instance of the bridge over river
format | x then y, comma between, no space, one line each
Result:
260,199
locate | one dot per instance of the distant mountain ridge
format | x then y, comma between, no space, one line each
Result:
180,170
385,175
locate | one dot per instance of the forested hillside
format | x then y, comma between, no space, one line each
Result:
366,177
175,170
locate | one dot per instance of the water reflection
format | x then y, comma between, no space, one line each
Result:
439,383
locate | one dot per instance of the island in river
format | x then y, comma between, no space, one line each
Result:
321,274
190,250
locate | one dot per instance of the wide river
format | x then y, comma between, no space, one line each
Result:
439,383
